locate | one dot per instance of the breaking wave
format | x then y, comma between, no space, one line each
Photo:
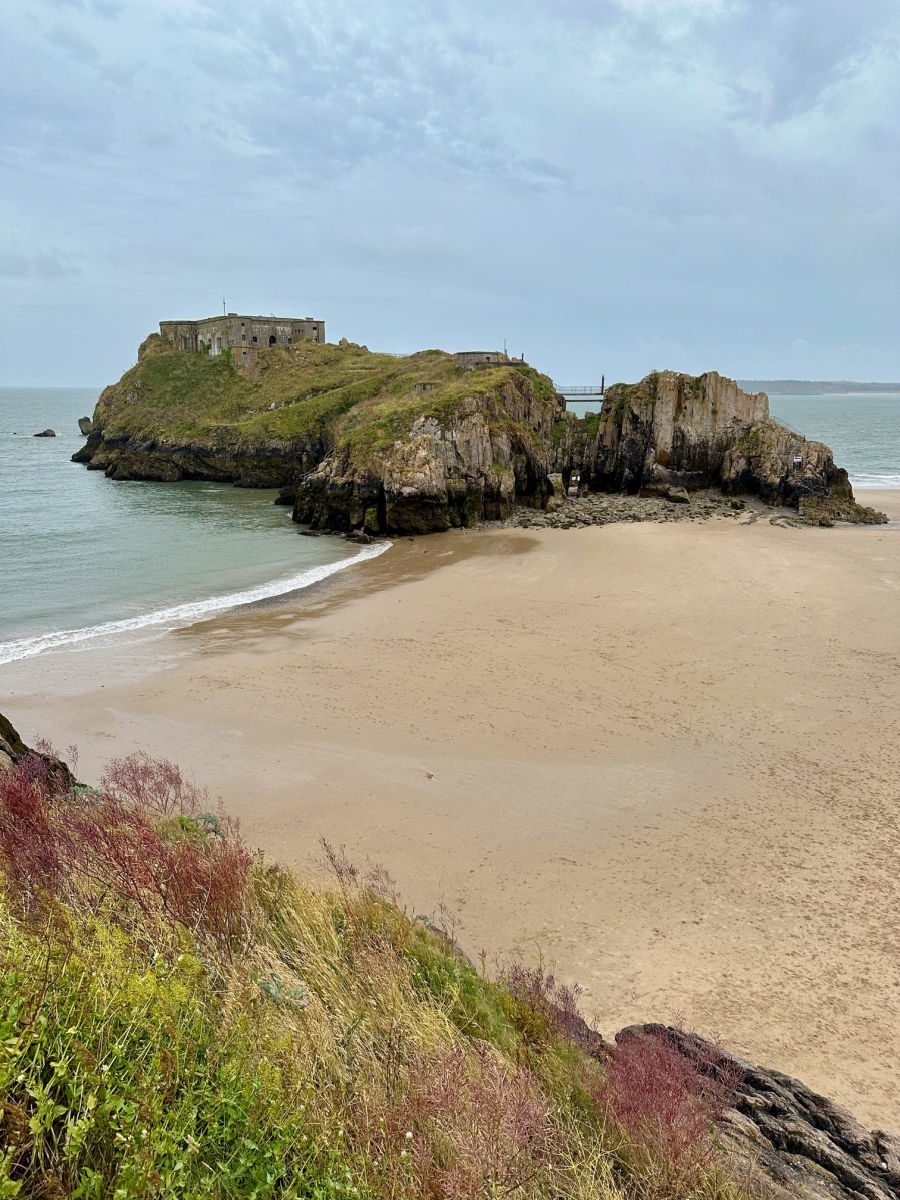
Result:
183,614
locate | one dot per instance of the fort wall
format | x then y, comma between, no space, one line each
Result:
241,334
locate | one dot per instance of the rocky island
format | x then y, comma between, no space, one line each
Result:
386,445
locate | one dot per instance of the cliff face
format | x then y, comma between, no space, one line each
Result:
355,439
363,441
673,430
490,452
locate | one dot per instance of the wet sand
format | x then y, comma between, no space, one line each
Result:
666,758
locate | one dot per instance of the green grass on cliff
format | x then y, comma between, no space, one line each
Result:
180,1018
343,394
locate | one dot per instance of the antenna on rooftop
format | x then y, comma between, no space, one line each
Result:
223,306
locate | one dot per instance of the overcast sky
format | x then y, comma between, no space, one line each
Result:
611,185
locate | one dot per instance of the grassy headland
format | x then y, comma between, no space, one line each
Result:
340,394
181,1018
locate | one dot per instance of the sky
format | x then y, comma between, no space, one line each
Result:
608,186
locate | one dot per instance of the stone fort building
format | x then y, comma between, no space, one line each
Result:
241,334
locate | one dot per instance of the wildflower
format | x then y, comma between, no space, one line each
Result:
408,1135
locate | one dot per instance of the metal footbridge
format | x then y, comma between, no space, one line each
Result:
584,391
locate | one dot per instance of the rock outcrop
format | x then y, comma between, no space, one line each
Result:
355,440
46,433
489,453
13,750
673,431
85,425
792,1143
377,444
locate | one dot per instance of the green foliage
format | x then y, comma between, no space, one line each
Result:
136,1078
345,1049
330,395
475,1005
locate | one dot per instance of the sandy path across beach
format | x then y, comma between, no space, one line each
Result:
664,757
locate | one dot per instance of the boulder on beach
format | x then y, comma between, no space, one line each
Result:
46,433
85,425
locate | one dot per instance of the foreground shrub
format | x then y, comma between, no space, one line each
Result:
542,1006
669,1104
180,1019
29,851
460,1126
141,839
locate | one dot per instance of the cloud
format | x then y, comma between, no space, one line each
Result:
599,179
37,264
73,44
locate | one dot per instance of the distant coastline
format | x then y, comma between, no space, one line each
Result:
814,387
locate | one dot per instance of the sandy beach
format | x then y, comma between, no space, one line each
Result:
664,758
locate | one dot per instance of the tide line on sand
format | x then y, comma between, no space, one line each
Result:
186,613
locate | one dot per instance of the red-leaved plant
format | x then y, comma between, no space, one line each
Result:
461,1126
140,838
668,1090
545,1004
29,851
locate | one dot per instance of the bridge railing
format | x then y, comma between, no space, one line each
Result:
591,389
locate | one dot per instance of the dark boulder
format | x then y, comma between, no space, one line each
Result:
46,433
794,1143
13,751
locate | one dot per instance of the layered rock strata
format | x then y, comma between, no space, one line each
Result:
487,456
673,431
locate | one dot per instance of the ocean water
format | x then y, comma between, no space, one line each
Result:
84,557
862,429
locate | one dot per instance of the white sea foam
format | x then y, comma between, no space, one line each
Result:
183,614
887,479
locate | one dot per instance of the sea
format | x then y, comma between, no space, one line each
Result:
84,558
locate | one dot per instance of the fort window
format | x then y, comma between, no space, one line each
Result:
272,339
254,338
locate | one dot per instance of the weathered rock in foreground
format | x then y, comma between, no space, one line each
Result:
673,431
793,1142
13,750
